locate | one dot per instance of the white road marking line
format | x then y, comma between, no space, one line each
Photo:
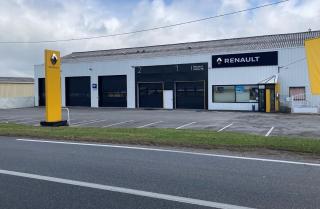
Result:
171,151
225,127
83,121
120,123
150,124
185,125
123,190
87,123
269,132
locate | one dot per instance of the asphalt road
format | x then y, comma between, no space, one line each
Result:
38,175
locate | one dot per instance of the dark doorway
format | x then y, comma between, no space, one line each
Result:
262,100
42,92
267,98
78,91
190,95
150,95
113,91
272,98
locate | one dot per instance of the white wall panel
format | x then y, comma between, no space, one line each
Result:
16,102
234,106
295,74
94,92
241,75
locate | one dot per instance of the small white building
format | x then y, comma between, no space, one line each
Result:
16,92
245,74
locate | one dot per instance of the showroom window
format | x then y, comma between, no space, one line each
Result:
246,93
224,94
235,94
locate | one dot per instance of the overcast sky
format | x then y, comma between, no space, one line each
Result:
33,20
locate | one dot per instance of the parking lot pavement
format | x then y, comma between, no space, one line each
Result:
247,122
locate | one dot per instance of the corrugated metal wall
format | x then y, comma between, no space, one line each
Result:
9,90
293,74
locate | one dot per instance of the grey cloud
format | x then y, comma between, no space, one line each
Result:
22,20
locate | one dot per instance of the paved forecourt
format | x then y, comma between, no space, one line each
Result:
266,124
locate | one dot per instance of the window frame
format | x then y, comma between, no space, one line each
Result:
298,87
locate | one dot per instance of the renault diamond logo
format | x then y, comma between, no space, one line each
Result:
219,60
54,59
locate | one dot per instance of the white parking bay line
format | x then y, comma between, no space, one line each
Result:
89,122
150,124
227,126
9,118
29,121
123,190
269,132
83,122
21,119
120,123
185,125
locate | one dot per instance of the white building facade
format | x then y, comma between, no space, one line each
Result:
245,74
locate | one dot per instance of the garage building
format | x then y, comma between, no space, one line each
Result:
16,92
263,73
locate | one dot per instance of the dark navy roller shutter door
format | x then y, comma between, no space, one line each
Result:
42,91
113,91
78,92
190,95
150,95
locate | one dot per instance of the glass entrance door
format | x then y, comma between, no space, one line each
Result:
262,100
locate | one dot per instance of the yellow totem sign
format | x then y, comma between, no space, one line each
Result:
53,89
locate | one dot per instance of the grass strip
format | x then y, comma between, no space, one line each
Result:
166,137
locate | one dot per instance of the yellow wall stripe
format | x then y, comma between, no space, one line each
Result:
313,58
268,100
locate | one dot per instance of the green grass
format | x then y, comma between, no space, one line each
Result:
166,137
